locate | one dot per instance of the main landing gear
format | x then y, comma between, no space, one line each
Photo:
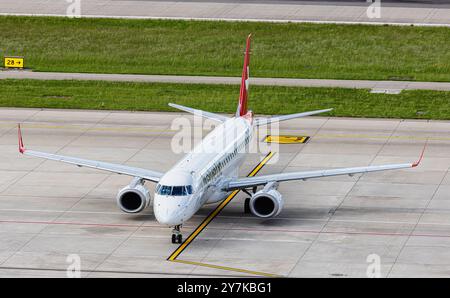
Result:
176,235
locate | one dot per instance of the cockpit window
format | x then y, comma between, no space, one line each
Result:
178,191
165,190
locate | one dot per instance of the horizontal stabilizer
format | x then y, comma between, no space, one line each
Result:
200,113
265,121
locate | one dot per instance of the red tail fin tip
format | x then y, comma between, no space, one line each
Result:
243,95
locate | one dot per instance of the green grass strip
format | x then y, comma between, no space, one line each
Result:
102,95
216,48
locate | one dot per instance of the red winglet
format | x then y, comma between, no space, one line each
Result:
21,147
421,155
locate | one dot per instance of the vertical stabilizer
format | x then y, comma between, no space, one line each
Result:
243,95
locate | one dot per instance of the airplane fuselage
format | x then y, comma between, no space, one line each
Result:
199,177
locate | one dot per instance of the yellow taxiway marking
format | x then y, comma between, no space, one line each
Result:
173,257
226,268
280,139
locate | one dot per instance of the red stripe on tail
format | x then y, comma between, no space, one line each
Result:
243,96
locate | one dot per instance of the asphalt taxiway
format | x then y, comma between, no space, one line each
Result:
329,227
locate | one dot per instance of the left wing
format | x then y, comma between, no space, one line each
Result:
99,165
248,182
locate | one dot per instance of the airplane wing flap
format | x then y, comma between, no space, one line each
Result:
262,180
99,165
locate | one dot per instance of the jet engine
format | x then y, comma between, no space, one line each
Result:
133,198
267,202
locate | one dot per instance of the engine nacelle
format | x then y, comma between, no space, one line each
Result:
267,202
133,198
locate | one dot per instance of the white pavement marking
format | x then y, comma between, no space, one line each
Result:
386,91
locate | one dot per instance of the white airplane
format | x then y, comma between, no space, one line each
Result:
209,173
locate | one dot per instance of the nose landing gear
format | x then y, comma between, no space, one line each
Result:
177,238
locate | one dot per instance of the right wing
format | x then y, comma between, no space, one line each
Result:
99,165
248,182
200,113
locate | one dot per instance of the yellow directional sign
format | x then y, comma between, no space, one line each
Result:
13,62
286,139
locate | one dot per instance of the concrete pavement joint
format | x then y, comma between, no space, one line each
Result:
411,234
57,217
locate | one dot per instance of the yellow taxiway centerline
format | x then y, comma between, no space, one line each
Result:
173,131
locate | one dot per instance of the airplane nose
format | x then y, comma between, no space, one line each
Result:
165,217
168,213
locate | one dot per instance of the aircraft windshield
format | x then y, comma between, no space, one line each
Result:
166,190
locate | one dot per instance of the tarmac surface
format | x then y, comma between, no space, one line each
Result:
388,86
435,13
333,227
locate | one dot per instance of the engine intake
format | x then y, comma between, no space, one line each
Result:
133,198
267,202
